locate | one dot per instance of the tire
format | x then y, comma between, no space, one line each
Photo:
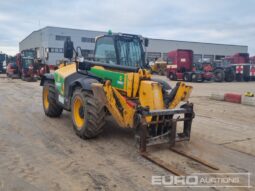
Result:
246,78
50,106
186,77
87,115
239,77
219,75
172,76
229,76
193,77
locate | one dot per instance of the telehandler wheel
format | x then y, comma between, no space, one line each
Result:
87,115
50,106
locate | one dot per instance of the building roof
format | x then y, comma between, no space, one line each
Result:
65,28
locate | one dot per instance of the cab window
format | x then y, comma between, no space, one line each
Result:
105,50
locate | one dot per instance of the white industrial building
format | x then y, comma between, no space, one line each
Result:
49,41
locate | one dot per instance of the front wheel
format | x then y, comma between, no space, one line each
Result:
87,115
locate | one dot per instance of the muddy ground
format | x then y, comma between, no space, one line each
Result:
41,153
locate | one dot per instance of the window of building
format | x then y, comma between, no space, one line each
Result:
219,57
208,58
62,38
55,50
165,56
87,39
87,54
151,56
197,58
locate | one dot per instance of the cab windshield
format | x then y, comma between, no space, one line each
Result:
27,62
130,52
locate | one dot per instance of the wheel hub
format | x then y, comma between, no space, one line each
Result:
81,112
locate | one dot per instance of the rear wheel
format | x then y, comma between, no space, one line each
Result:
219,75
50,106
87,115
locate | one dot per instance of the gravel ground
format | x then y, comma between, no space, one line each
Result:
41,153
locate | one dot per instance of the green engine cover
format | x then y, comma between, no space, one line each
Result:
118,79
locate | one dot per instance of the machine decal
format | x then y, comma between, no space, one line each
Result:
116,78
59,82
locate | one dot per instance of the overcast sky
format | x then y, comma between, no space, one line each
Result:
216,21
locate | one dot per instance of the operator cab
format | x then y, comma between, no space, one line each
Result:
116,49
121,49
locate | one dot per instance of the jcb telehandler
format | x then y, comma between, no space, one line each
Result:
117,83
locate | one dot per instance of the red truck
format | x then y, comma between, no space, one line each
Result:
241,64
30,68
180,67
252,60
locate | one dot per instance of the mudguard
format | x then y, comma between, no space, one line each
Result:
47,78
78,80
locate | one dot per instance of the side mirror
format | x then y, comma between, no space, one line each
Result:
146,42
68,49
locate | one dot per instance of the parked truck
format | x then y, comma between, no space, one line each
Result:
252,60
240,63
181,67
30,68
3,63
